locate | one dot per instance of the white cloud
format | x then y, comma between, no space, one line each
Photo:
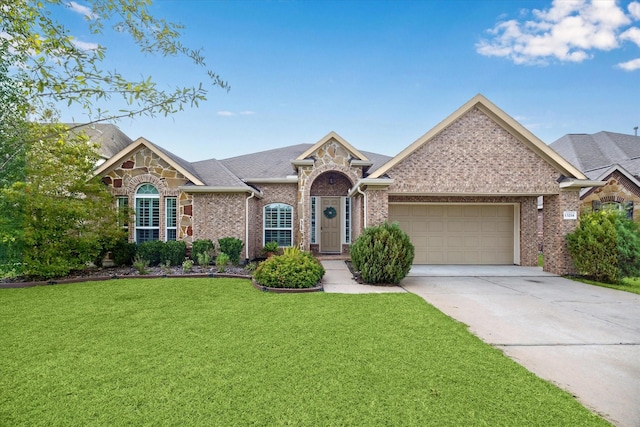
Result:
84,45
569,31
632,34
81,9
247,113
634,10
630,65
225,113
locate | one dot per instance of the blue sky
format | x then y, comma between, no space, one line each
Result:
382,73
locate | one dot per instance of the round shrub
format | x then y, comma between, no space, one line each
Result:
201,246
294,269
382,254
232,247
605,246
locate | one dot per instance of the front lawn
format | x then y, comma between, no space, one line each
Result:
218,352
629,284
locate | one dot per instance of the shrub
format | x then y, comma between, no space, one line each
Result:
123,252
141,264
382,254
174,252
221,262
232,247
187,265
294,269
201,246
270,248
605,246
152,251
203,259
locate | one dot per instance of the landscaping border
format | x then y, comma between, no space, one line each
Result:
13,285
260,287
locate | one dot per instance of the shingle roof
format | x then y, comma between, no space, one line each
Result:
594,153
276,163
213,173
110,138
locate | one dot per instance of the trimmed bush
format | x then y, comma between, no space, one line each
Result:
294,269
123,252
174,252
605,246
151,251
232,247
382,254
201,246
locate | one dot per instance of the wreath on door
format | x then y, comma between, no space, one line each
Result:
330,212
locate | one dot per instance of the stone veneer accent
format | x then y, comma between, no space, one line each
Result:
331,157
144,166
617,189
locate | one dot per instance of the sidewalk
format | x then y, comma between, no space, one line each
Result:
338,279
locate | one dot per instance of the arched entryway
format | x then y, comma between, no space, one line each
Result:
330,213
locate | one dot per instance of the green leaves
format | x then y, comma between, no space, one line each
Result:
605,246
55,67
383,254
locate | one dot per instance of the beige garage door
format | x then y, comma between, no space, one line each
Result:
458,234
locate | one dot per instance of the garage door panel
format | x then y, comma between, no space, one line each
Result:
458,234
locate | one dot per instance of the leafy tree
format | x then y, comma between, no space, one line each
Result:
67,213
55,213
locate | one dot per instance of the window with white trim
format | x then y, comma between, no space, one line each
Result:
122,204
313,219
347,220
278,224
147,213
170,215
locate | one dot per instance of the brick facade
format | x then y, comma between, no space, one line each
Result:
473,159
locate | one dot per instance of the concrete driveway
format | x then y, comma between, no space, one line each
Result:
585,339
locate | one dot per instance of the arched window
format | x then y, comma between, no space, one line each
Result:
278,224
147,213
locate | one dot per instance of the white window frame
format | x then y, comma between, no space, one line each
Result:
154,221
168,217
279,225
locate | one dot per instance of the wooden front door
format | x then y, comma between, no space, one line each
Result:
330,225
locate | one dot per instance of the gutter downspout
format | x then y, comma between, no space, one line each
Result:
364,207
246,226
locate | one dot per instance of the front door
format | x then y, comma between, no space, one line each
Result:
330,225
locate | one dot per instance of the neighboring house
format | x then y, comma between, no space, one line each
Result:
111,139
466,193
610,157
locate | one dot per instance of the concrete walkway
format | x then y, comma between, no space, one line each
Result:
583,338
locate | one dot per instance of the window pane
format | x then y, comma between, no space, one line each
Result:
171,211
278,224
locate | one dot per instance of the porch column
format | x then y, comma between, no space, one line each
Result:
557,259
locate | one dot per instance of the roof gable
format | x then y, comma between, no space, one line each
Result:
176,162
501,119
355,154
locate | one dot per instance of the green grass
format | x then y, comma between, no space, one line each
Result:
218,352
629,284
